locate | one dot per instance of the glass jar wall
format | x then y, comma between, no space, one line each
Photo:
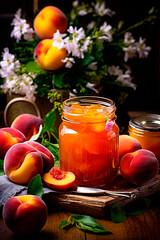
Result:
88,138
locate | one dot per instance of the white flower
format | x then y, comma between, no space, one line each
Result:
128,38
91,25
114,70
82,12
70,45
142,49
93,66
101,10
126,79
29,35
21,27
8,64
68,62
106,32
77,34
87,41
92,87
58,40
75,4
130,52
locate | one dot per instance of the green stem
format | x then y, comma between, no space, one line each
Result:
147,19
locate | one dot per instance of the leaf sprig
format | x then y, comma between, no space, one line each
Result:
84,223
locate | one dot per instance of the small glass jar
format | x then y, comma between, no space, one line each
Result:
88,139
146,129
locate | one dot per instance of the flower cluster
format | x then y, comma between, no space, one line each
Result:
98,55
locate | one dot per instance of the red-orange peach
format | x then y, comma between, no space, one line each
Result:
9,137
25,214
22,162
127,144
28,124
48,20
48,159
139,167
58,179
49,57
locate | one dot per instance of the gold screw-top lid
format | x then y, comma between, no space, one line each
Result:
147,122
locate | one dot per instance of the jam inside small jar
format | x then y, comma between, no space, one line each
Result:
88,139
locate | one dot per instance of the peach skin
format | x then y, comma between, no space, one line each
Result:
139,167
127,144
48,159
25,214
28,124
48,20
22,162
49,57
58,179
9,137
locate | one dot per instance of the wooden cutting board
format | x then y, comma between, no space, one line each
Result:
99,206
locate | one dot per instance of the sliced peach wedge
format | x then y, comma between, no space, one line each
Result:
58,179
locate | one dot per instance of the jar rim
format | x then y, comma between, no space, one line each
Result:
107,106
90,99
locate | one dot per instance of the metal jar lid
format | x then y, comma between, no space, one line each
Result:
147,122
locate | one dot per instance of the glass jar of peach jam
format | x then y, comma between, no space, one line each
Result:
88,139
146,129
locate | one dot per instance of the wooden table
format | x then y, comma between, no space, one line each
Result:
143,226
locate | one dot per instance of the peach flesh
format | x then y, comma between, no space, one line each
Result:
58,179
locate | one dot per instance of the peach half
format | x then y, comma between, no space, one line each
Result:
48,20
25,214
49,57
58,179
28,124
8,138
127,144
139,167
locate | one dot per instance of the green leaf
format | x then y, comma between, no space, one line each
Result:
65,224
54,149
138,206
1,167
35,186
49,120
118,214
88,224
92,230
58,79
87,220
33,67
87,60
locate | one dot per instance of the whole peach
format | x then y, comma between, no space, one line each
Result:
9,137
22,162
139,167
25,214
48,20
48,159
28,124
49,57
127,144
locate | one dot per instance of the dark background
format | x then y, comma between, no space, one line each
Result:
146,72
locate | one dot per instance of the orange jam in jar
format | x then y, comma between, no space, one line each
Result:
146,129
88,139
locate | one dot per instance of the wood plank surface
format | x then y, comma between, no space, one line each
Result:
99,206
